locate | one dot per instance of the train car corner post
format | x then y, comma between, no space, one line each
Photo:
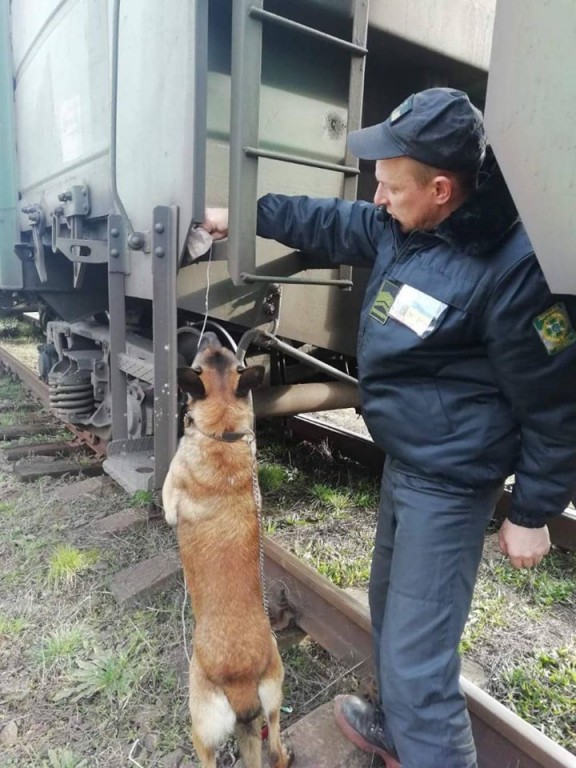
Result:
10,266
164,268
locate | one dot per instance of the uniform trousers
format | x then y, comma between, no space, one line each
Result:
428,548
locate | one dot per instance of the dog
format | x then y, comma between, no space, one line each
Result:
211,495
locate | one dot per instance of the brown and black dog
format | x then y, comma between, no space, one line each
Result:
236,672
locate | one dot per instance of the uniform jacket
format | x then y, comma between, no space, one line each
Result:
488,389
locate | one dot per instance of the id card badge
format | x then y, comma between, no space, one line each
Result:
418,311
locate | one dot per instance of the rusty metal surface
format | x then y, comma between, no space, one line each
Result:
28,377
40,390
341,625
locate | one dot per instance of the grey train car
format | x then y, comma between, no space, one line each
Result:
120,120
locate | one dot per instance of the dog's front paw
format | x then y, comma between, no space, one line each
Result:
171,516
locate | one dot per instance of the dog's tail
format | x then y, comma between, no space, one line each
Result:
243,697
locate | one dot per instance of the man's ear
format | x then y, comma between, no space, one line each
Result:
249,379
443,189
190,382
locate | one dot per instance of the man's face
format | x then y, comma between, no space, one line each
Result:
405,195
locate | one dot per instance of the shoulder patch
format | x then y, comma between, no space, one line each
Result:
402,109
555,329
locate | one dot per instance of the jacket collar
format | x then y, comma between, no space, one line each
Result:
486,217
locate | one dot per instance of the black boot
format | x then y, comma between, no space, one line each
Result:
364,725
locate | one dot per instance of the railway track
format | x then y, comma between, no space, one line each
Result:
340,624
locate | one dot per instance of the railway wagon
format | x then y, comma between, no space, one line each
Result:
122,119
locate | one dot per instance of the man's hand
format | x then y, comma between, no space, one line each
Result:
216,222
525,547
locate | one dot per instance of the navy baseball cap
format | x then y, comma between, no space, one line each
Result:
438,127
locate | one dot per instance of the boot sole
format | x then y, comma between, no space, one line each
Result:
389,760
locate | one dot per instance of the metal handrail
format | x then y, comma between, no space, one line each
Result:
259,13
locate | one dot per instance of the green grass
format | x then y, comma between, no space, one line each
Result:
488,613
542,690
63,758
343,568
336,499
60,646
10,390
141,498
112,674
551,582
67,562
272,477
11,625
7,508
13,327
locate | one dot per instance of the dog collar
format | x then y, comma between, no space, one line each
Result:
224,437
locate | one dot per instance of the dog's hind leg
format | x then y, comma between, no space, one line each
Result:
212,717
270,693
249,736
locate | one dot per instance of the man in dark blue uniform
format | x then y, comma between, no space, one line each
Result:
467,367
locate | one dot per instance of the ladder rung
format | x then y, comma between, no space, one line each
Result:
282,21
349,170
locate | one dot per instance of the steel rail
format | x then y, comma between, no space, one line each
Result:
26,375
41,391
341,625
562,528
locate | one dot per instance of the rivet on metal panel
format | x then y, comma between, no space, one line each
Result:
114,252
159,227
114,232
159,252
135,241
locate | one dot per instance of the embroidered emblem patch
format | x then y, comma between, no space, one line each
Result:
402,109
384,300
555,329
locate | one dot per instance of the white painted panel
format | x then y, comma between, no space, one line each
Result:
530,119
29,19
62,98
155,107
460,29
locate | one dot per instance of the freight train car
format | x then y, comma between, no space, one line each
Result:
122,119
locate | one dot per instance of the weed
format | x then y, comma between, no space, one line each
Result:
272,477
542,690
366,496
337,564
61,645
335,499
67,562
553,581
270,526
141,498
63,758
13,327
110,673
488,612
7,508
11,625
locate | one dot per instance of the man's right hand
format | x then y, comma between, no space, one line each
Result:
216,222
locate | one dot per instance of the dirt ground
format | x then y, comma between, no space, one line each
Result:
85,682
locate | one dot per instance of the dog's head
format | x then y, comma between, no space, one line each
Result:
216,383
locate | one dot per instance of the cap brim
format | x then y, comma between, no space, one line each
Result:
374,143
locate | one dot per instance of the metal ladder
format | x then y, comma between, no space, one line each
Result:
248,20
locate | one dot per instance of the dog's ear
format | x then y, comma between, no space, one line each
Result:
190,382
250,378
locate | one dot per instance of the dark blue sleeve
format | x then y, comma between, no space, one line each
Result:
541,389
342,231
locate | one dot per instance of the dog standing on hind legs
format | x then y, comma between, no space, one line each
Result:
210,494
